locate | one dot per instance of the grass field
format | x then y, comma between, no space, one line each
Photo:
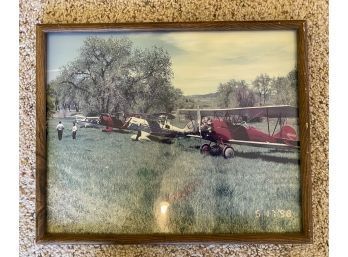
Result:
106,183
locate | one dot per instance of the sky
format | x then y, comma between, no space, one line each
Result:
200,60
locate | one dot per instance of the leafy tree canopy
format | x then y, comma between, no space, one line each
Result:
112,75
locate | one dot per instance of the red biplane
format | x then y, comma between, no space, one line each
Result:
227,127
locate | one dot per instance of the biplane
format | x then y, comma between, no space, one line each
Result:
227,127
149,127
115,121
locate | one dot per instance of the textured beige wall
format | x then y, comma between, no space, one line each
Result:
95,11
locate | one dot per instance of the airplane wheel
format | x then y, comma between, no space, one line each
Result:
205,149
228,152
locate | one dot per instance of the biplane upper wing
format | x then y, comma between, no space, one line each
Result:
275,111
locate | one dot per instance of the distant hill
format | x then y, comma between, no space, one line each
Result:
205,101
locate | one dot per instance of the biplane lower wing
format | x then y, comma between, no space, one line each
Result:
194,136
263,144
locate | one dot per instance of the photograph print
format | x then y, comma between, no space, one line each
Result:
173,132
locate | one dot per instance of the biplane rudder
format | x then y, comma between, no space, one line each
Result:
287,133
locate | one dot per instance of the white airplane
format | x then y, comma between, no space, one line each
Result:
158,129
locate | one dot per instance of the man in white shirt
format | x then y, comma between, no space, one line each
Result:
60,128
74,131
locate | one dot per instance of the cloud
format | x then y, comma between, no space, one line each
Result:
213,57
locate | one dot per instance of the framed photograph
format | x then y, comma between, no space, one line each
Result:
173,133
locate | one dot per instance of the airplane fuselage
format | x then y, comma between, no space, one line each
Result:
223,131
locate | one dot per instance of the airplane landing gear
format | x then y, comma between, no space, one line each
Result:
205,149
228,152
215,150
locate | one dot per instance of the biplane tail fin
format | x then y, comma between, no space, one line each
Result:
106,120
287,133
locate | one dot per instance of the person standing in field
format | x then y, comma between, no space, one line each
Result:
74,131
60,128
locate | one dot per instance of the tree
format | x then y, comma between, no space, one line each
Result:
292,77
226,93
152,81
245,96
52,101
90,79
285,89
262,85
110,75
185,102
280,86
235,93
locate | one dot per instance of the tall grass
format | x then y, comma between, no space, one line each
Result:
106,183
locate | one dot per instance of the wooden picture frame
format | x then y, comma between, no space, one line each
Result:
42,234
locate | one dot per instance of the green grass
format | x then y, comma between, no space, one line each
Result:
106,183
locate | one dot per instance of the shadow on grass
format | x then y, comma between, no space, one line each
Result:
260,155
121,131
266,157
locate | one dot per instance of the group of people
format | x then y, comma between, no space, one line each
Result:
60,129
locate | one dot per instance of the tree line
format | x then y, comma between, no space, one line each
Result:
264,90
